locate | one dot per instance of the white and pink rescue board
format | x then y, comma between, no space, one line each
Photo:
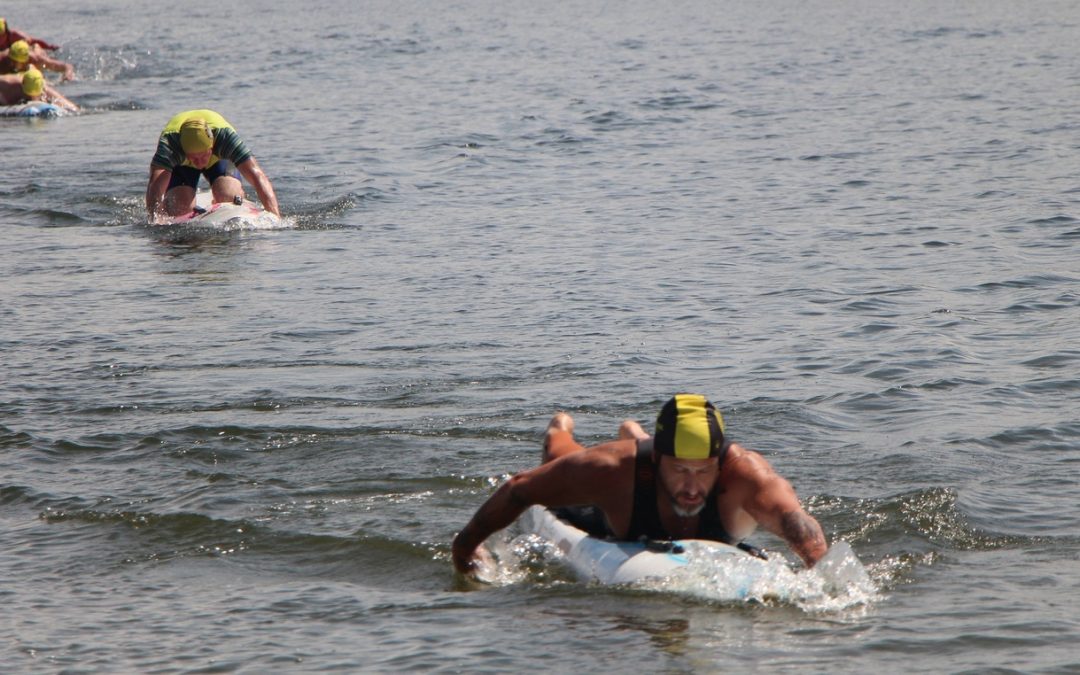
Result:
225,215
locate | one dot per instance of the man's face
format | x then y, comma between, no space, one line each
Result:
200,160
687,482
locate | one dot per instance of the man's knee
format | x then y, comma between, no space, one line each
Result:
180,200
225,188
559,443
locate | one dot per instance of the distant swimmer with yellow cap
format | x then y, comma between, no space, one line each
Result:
21,56
31,86
201,143
688,481
8,35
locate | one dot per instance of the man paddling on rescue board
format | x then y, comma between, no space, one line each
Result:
686,482
21,56
202,143
9,35
31,86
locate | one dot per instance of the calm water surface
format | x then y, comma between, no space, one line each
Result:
852,226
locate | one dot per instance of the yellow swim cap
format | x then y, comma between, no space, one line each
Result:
20,51
3,25
33,82
195,136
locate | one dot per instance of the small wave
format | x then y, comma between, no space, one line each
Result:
1054,220
1036,438
675,101
611,120
90,104
326,215
1031,281
11,495
562,140
928,517
168,536
11,438
474,141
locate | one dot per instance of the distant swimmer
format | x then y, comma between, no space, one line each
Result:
9,35
20,56
31,86
687,481
201,143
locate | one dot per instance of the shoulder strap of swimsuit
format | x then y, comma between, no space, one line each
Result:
645,518
710,526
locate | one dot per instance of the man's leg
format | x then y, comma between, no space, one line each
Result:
224,181
559,438
631,429
180,200
180,194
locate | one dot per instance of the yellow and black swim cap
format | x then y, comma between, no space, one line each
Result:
689,427
196,136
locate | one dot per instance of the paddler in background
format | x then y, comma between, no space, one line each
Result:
686,482
9,35
202,143
31,86
20,57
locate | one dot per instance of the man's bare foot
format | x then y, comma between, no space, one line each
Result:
631,429
561,421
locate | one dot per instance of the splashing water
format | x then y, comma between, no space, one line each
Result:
839,581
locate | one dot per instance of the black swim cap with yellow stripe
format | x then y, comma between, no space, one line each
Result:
689,427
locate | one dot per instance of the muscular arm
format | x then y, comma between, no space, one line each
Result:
55,97
586,477
254,175
46,62
155,190
803,534
772,502
501,509
19,35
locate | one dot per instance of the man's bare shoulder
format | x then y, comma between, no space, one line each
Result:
746,464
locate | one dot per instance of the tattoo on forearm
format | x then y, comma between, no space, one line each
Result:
801,528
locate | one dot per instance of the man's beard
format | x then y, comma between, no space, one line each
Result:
683,513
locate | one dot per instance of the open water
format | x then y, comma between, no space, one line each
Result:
853,225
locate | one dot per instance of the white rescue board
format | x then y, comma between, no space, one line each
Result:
623,562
